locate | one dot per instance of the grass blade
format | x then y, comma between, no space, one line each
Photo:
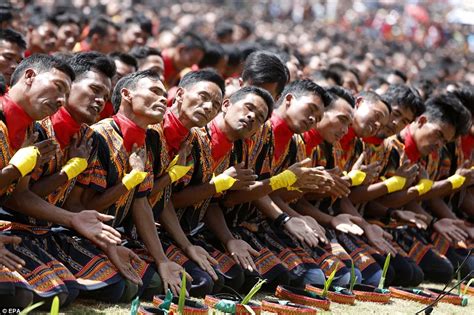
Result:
31,307
459,280
353,277
328,282
384,273
467,286
182,294
55,306
253,291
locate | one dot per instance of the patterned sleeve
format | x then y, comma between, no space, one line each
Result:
95,176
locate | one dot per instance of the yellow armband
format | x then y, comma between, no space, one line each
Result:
357,177
395,183
133,179
25,159
284,179
74,167
456,180
175,172
223,182
424,186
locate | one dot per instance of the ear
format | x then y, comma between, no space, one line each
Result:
421,120
225,105
126,94
29,76
358,101
241,82
178,97
288,98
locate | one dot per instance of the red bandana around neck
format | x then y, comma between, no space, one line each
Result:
347,139
170,70
17,121
65,127
312,139
108,111
282,135
131,132
467,144
373,140
175,132
220,144
410,146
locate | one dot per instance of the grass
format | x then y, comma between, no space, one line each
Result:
397,306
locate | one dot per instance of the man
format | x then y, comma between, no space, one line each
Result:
149,58
102,36
41,35
12,48
135,32
69,31
39,87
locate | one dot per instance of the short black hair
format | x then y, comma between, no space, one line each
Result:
372,97
194,77
13,37
69,18
130,82
398,73
241,93
37,20
340,92
92,61
375,82
265,67
3,85
190,40
6,12
233,53
224,29
142,21
300,88
100,26
447,108
327,74
142,52
466,95
214,52
125,58
41,63
404,96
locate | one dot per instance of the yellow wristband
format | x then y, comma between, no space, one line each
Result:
173,162
284,179
357,177
74,167
223,182
25,159
178,171
456,180
395,183
423,186
133,179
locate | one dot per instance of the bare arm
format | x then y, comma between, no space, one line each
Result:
47,185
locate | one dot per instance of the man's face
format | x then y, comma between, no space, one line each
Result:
122,70
134,36
191,56
350,82
400,117
44,37
394,79
246,115
200,103
68,36
154,63
304,112
10,56
369,118
108,43
88,95
336,121
148,100
46,91
294,68
431,135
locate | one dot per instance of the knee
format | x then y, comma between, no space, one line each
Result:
236,279
111,293
418,275
20,299
313,276
73,293
343,277
373,278
202,284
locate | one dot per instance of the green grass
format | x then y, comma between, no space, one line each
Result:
397,306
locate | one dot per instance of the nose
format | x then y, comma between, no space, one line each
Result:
100,101
61,101
207,106
251,116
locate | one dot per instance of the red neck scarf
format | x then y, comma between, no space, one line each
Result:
220,144
170,70
373,140
174,132
17,121
410,146
467,144
312,139
108,111
65,127
347,139
131,133
282,135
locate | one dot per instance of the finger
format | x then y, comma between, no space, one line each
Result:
12,240
212,260
249,262
100,242
305,162
104,217
135,258
252,251
111,232
447,236
127,273
7,262
387,235
17,260
456,236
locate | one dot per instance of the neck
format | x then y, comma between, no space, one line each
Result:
139,121
281,112
225,128
17,95
181,117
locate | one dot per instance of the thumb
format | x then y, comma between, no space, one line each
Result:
104,217
359,161
253,252
305,162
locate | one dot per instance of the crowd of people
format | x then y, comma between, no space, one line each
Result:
141,143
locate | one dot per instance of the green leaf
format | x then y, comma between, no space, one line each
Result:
328,282
467,286
353,277
384,273
182,294
253,291
31,307
458,275
134,306
55,306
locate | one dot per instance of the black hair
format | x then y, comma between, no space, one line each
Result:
466,95
194,77
247,26
125,58
6,12
130,82
398,73
372,97
41,63
224,29
142,21
92,61
214,52
340,92
69,18
426,86
190,40
37,20
326,74
3,85
300,88
375,82
404,96
142,52
241,93
447,108
264,67
13,37
100,26
234,54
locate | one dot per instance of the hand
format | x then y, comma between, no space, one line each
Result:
184,151
301,231
347,223
201,257
317,228
80,148
308,177
469,229
371,171
380,239
467,172
47,149
341,187
89,223
242,253
124,259
7,258
408,172
245,177
138,158
409,216
451,229
170,273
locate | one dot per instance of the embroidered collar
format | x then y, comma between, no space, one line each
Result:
373,140
64,127
17,121
220,144
175,132
347,139
312,139
282,135
131,132
411,149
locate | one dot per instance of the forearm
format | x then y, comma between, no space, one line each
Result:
306,208
284,206
8,175
417,208
215,221
260,189
398,199
192,195
467,204
101,201
374,209
346,206
47,185
366,193
170,222
439,189
439,208
160,184
268,207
